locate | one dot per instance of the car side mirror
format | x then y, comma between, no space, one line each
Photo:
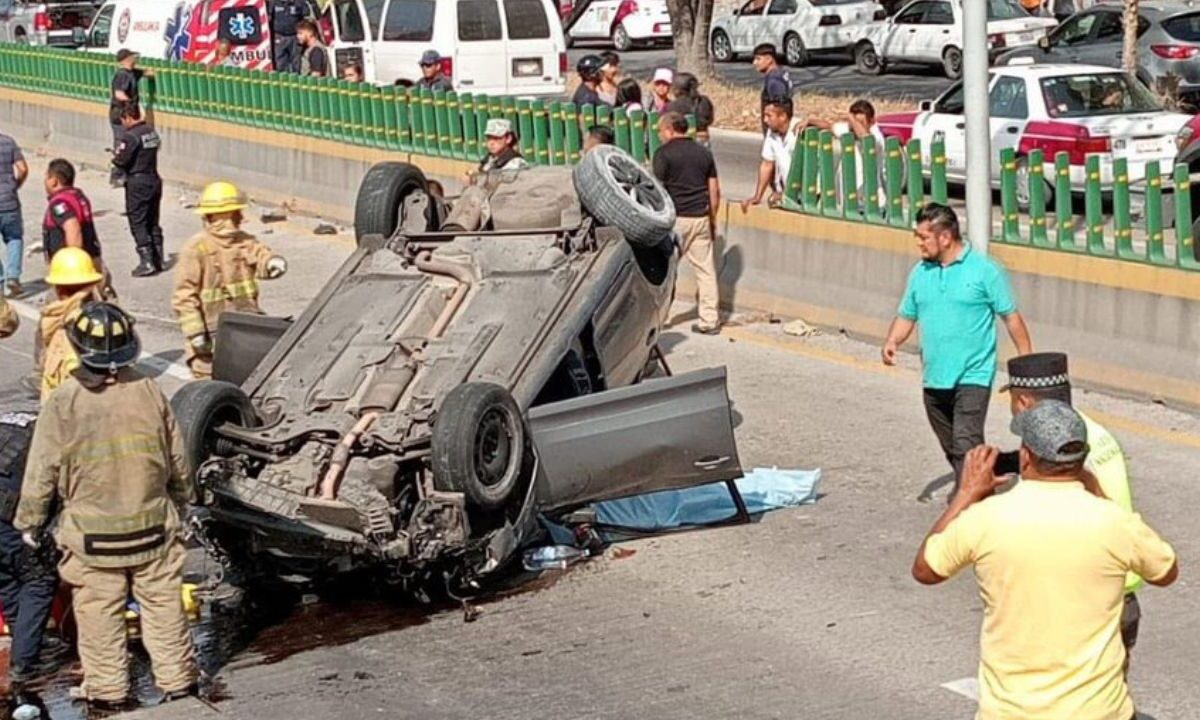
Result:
925,105
1044,42
79,36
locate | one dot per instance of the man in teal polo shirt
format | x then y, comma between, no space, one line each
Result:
955,293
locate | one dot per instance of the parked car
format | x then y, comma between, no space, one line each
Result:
797,28
625,23
1083,110
51,22
187,30
448,385
497,47
1168,42
930,32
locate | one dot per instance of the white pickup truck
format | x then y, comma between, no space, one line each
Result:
49,22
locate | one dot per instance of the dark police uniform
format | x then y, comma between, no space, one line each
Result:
63,205
137,155
285,15
127,82
28,578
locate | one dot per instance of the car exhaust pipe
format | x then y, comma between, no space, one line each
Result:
384,394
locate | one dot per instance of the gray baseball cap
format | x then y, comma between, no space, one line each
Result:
1053,431
430,57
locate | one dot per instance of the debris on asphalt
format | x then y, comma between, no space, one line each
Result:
186,202
549,557
325,229
273,216
799,328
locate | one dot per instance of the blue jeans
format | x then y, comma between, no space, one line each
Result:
12,230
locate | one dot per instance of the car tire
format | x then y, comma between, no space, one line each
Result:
380,195
952,62
620,192
720,47
480,445
202,405
867,60
794,52
1023,187
621,40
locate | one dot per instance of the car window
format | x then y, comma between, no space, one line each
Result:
952,102
1074,31
783,7
1005,10
912,14
753,7
410,20
1110,27
479,20
1183,27
1096,94
374,10
102,26
349,21
1007,99
526,20
940,13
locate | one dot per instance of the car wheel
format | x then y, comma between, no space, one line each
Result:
381,195
203,405
620,192
479,445
794,51
867,60
952,63
20,37
722,49
620,39
1023,187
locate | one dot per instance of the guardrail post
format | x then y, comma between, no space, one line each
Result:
1093,210
1122,221
793,190
1064,229
916,180
1186,255
524,128
458,116
1154,215
482,112
1010,227
937,170
637,135
620,126
541,131
429,117
894,177
829,200
652,134
1037,199
850,206
571,127
441,123
810,200
870,165
558,149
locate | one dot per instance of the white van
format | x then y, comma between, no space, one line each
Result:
498,47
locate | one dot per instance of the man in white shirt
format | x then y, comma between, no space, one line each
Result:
779,146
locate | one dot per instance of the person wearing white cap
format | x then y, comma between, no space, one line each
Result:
470,210
663,77
503,153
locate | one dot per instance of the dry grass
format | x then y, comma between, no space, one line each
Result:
737,107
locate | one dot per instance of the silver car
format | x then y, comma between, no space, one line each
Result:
1168,42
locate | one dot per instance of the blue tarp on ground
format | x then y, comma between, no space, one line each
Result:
763,489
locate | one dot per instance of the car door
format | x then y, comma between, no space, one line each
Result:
780,16
1104,45
101,30
588,25
1008,101
407,30
902,30
480,63
532,61
1067,39
350,41
945,120
746,25
935,31
660,434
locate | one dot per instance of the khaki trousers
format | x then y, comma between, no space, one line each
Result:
696,242
99,598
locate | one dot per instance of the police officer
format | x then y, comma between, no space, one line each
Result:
107,446
125,90
218,270
285,16
137,156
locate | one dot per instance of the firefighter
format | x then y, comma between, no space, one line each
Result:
76,282
107,447
218,270
137,156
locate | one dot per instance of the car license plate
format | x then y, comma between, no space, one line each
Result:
1024,38
1147,146
527,67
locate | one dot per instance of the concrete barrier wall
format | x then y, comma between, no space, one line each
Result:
1128,327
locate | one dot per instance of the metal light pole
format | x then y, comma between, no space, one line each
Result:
976,112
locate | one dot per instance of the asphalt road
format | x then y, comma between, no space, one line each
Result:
832,74
809,613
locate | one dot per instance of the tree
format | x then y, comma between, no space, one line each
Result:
1129,53
690,21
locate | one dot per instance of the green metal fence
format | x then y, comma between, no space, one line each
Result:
830,177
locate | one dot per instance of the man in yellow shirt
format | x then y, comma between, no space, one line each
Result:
1044,376
1050,559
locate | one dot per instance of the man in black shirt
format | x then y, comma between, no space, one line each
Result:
776,82
124,91
285,19
313,58
689,173
588,68
137,155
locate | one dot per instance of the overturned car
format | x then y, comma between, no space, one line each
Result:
475,362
